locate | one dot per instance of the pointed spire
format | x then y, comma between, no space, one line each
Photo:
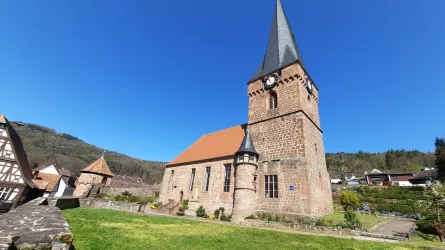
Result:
282,49
247,145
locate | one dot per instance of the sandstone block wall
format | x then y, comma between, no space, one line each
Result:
210,200
139,191
292,96
36,225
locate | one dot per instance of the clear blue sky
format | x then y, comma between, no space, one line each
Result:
148,78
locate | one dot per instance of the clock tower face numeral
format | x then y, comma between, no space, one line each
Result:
271,81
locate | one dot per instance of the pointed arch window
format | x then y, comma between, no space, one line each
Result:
273,100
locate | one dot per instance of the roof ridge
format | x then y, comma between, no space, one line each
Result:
225,129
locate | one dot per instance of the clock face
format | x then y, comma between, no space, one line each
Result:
309,85
271,81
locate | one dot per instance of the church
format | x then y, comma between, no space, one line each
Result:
274,163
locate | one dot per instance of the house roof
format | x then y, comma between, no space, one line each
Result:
282,50
40,184
98,167
215,145
52,180
426,175
390,173
21,157
64,172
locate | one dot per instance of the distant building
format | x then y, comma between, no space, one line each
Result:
54,182
15,173
335,181
390,179
92,178
425,177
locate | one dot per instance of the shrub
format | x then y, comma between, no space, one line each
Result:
351,220
349,200
321,222
251,217
216,213
126,193
100,196
201,212
184,206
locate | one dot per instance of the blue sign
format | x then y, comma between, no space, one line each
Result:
292,188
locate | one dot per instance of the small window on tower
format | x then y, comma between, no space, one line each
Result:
273,100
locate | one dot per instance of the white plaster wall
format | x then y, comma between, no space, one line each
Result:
50,170
13,194
402,183
62,187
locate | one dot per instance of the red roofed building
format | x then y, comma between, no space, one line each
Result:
275,163
92,178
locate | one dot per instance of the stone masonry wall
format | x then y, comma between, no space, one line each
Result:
292,96
210,200
139,191
320,181
290,145
114,205
35,225
289,173
86,182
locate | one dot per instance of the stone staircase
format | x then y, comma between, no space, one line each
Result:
170,208
94,190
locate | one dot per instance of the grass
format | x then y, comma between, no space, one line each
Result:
367,220
108,229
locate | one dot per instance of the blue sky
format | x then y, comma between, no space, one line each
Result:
148,78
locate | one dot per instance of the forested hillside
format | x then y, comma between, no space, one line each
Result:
346,164
45,146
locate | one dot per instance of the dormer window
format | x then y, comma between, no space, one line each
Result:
273,100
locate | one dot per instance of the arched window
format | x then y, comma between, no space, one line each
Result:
273,100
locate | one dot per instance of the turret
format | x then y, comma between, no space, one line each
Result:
246,164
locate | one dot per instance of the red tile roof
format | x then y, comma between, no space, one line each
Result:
40,184
52,180
215,145
98,167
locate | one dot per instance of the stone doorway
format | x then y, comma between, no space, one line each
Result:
181,196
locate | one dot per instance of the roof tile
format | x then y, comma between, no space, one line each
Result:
215,145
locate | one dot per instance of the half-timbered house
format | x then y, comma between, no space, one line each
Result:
15,173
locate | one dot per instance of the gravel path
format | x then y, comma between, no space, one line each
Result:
395,227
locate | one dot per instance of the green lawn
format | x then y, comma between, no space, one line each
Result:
108,229
368,220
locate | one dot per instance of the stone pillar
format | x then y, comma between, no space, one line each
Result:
245,186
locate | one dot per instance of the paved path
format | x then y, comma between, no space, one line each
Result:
395,227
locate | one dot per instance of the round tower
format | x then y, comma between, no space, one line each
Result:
245,179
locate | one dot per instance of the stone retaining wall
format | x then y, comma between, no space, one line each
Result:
35,225
114,205
140,191
301,227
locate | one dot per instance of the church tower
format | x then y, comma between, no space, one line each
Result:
284,123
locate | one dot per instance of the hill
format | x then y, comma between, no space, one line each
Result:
347,164
45,146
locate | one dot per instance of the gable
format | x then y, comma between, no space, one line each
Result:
219,144
49,170
14,165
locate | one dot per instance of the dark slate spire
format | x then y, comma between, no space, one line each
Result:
247,145
282,49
